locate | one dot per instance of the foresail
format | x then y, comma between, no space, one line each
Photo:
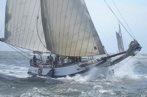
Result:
119,40
23,26
68,28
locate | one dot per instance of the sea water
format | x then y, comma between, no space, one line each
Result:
128,80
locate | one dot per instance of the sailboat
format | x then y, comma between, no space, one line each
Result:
62,28
119,40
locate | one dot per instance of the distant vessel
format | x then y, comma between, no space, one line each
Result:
120,40
62,28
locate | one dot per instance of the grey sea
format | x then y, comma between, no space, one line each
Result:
128,80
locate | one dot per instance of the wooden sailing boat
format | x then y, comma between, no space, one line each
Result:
61,27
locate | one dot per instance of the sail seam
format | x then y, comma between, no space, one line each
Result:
53,28
83,38
15,25
79,31
26,24
64,29
67,40
31,35
84,34
74,27
21,40
35,23
60,27
57,39
15,22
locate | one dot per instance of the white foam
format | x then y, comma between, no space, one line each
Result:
14,71
93,74
126,69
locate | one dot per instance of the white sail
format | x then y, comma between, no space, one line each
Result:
69,29
23,26
119,40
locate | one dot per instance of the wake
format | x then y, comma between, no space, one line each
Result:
125,69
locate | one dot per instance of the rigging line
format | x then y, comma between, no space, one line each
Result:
37,27
118,20
123,18
38,34
14,48
118,67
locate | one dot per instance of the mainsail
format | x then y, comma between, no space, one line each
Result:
120,40
69,29
63,27
23,26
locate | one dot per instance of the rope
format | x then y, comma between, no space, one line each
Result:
123,18
118,67
16,49
38,34
119,20
124,63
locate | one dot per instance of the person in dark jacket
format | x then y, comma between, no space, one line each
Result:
34,60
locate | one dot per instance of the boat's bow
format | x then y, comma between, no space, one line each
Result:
134,47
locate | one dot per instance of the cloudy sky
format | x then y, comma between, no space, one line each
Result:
133,11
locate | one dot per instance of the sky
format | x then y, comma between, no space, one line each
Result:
133,11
